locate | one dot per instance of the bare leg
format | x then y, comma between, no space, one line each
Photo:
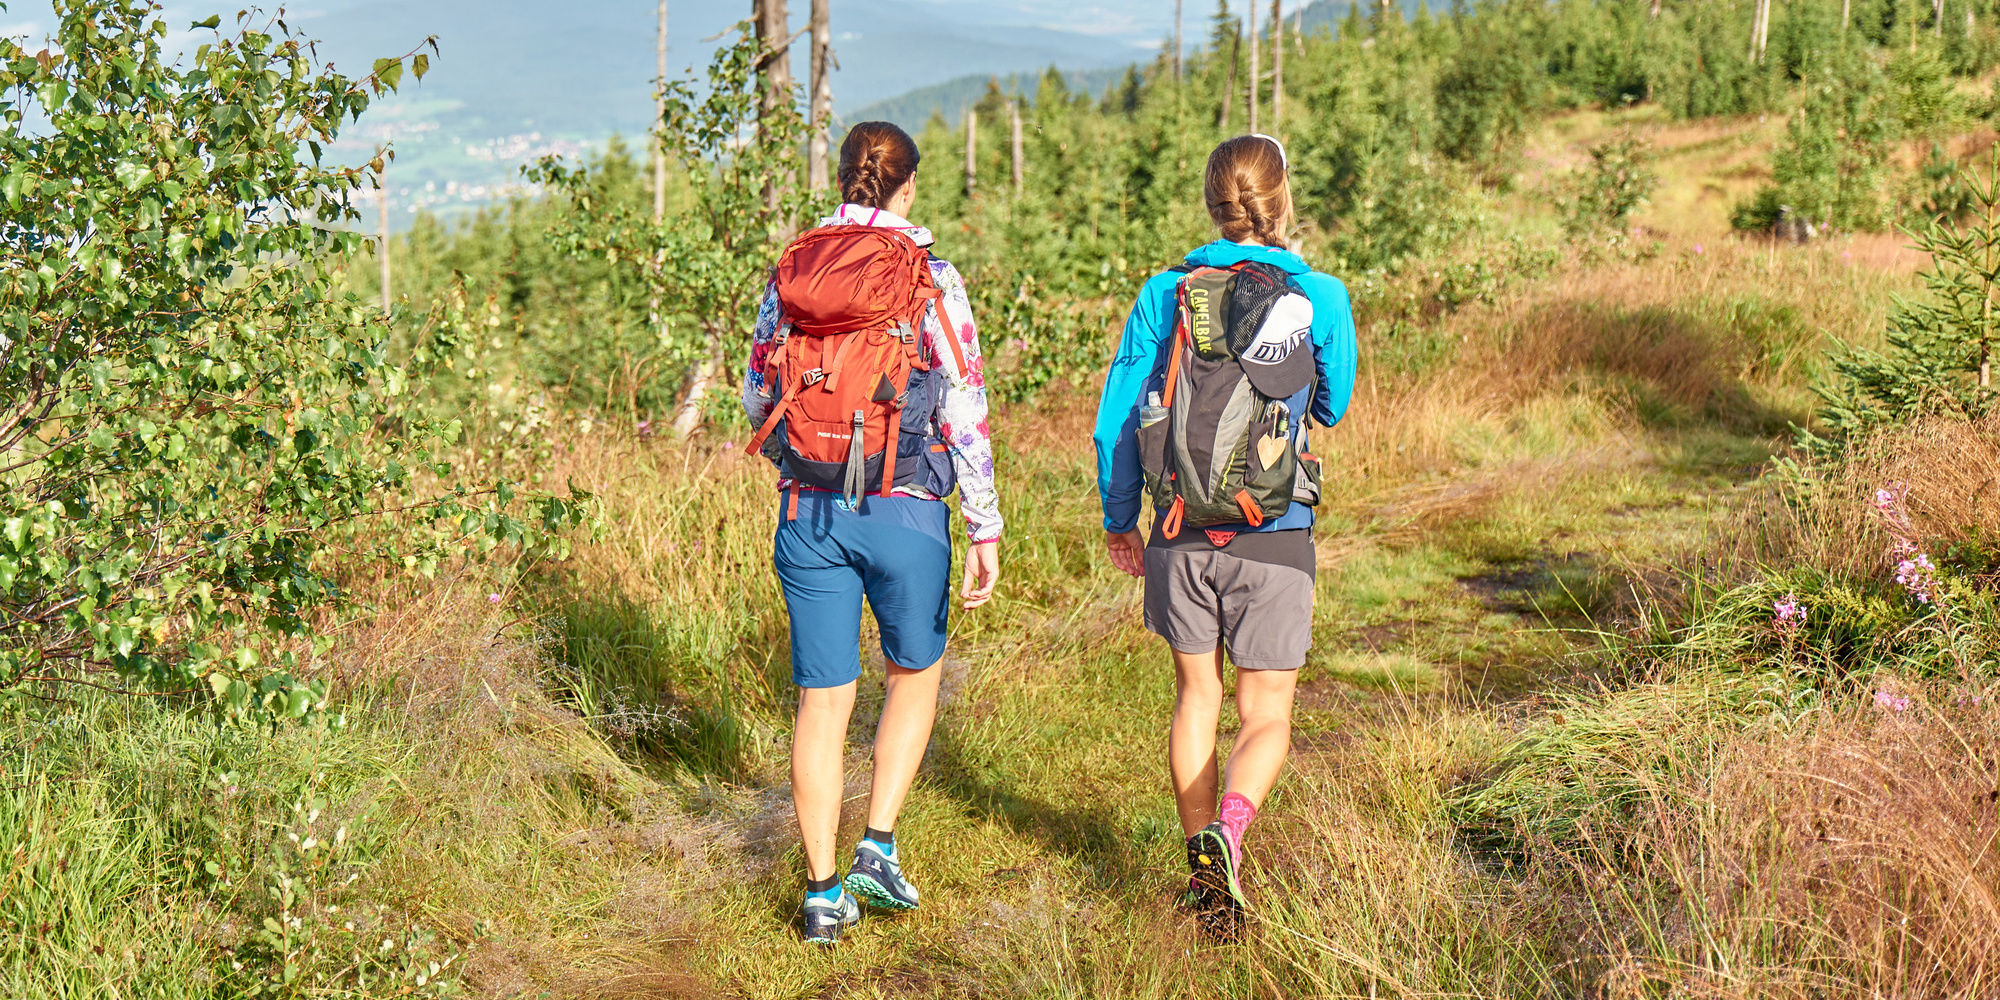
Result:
901,739
1264,700
819,746
1191,742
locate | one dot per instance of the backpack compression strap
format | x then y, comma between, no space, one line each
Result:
771,364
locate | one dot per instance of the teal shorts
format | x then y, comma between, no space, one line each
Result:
894,550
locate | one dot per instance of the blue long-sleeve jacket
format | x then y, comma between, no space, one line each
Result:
1120,482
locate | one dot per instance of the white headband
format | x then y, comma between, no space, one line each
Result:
1273,140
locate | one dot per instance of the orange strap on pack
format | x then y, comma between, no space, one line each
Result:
1170,526
770,424
1174,365
1251,512
792,504
935,299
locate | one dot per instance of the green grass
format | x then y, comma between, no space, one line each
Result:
1527,686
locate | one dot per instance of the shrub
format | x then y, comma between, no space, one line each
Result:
1604,195
196,419
1830,171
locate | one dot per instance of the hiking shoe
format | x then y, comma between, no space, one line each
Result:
878,879
824,920
1216,866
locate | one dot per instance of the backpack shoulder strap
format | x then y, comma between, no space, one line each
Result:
931,296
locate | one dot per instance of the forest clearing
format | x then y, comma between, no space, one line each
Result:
432,648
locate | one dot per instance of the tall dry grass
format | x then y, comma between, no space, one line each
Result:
1856,856
1606,352
1947,473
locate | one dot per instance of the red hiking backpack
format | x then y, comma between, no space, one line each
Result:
849,339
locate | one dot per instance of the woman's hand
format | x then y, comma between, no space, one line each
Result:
982,574
1128,551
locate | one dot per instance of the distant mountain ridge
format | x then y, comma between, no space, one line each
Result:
518,79
951,98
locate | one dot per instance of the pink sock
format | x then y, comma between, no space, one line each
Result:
1237,812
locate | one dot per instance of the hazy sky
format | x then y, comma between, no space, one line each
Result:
1132,21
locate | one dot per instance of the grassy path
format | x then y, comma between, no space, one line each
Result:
1040,829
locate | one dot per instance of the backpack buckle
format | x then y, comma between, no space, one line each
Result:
905,334
784,333
813,378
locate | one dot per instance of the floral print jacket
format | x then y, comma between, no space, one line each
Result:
962,417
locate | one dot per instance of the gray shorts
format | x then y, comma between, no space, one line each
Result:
1260,612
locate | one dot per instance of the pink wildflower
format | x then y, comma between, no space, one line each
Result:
1697,249
1917,576
1788,614
1891,702
492,598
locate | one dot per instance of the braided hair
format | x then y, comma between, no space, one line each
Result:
876,160
1248,193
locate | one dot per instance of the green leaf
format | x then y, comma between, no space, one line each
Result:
389,72
212,21
419,65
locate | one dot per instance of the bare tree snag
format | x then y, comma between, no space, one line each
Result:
382,240
659,114
1177,40
1256,66
1229,87
1277,63
774,43
822,96
971,151
653,318
1020,158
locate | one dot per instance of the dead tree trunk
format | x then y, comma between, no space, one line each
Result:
1757,29
660,113
774,27
1020,158
382,240
1256,66
1177,40
1846,13
822,96
1277,64
971,151
1229,86
774,41
653,318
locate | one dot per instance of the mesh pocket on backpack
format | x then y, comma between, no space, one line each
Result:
1153,432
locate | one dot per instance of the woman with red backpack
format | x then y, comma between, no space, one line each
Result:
1204,409
865,381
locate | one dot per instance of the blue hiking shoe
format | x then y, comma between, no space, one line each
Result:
825,920
878,879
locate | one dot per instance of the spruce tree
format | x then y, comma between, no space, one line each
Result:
1939,360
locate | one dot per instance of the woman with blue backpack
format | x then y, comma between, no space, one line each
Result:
1205,409
865,381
